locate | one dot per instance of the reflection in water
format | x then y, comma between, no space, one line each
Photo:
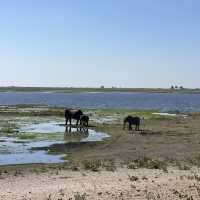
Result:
76,130
75,134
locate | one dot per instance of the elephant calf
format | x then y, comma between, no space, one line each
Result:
84,120
132,121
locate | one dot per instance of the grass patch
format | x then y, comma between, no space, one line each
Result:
133,178
95,165
79,196
92,165
121,112
27,136
195,161
8,127
194,177
109,165
19,142
148,163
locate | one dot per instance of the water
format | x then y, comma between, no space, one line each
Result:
165,102
20,151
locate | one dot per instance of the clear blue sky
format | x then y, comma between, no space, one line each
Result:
127,43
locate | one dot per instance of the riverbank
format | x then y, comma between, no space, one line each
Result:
88,89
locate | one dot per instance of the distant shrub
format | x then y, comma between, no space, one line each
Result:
149,163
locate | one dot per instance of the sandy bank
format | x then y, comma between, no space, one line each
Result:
120,184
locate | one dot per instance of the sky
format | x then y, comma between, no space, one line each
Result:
87,43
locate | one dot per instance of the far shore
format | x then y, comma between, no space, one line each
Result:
100,89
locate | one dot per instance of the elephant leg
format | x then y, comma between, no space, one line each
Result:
130,126
77,122
70,121
66,121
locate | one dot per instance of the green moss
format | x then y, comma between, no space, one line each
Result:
119,113
27,136
95,165
144,162
9,127
20,142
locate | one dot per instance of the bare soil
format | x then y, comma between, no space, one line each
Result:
121,184
167,138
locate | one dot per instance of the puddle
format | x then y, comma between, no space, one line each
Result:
26,158
169,114
46,127
15,150
165,114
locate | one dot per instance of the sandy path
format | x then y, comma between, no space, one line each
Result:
60,185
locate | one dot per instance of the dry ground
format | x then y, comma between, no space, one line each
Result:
121,184
174,138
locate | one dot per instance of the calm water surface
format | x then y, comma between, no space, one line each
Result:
162,101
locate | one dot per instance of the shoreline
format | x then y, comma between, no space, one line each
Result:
98,90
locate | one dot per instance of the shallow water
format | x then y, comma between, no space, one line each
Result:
46,127
19,151
26,158
164,102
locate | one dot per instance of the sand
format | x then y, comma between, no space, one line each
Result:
67,184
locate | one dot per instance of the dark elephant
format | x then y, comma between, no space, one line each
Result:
72,114
84,120
132,121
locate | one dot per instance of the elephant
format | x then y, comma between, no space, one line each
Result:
72,114
132,121
84,120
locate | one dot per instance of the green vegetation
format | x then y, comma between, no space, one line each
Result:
181,195
27,136
195,161
40,170
79,196
8,127
144,162
92,165
95,165
194,177
20,142
96,115
120,112
133,178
